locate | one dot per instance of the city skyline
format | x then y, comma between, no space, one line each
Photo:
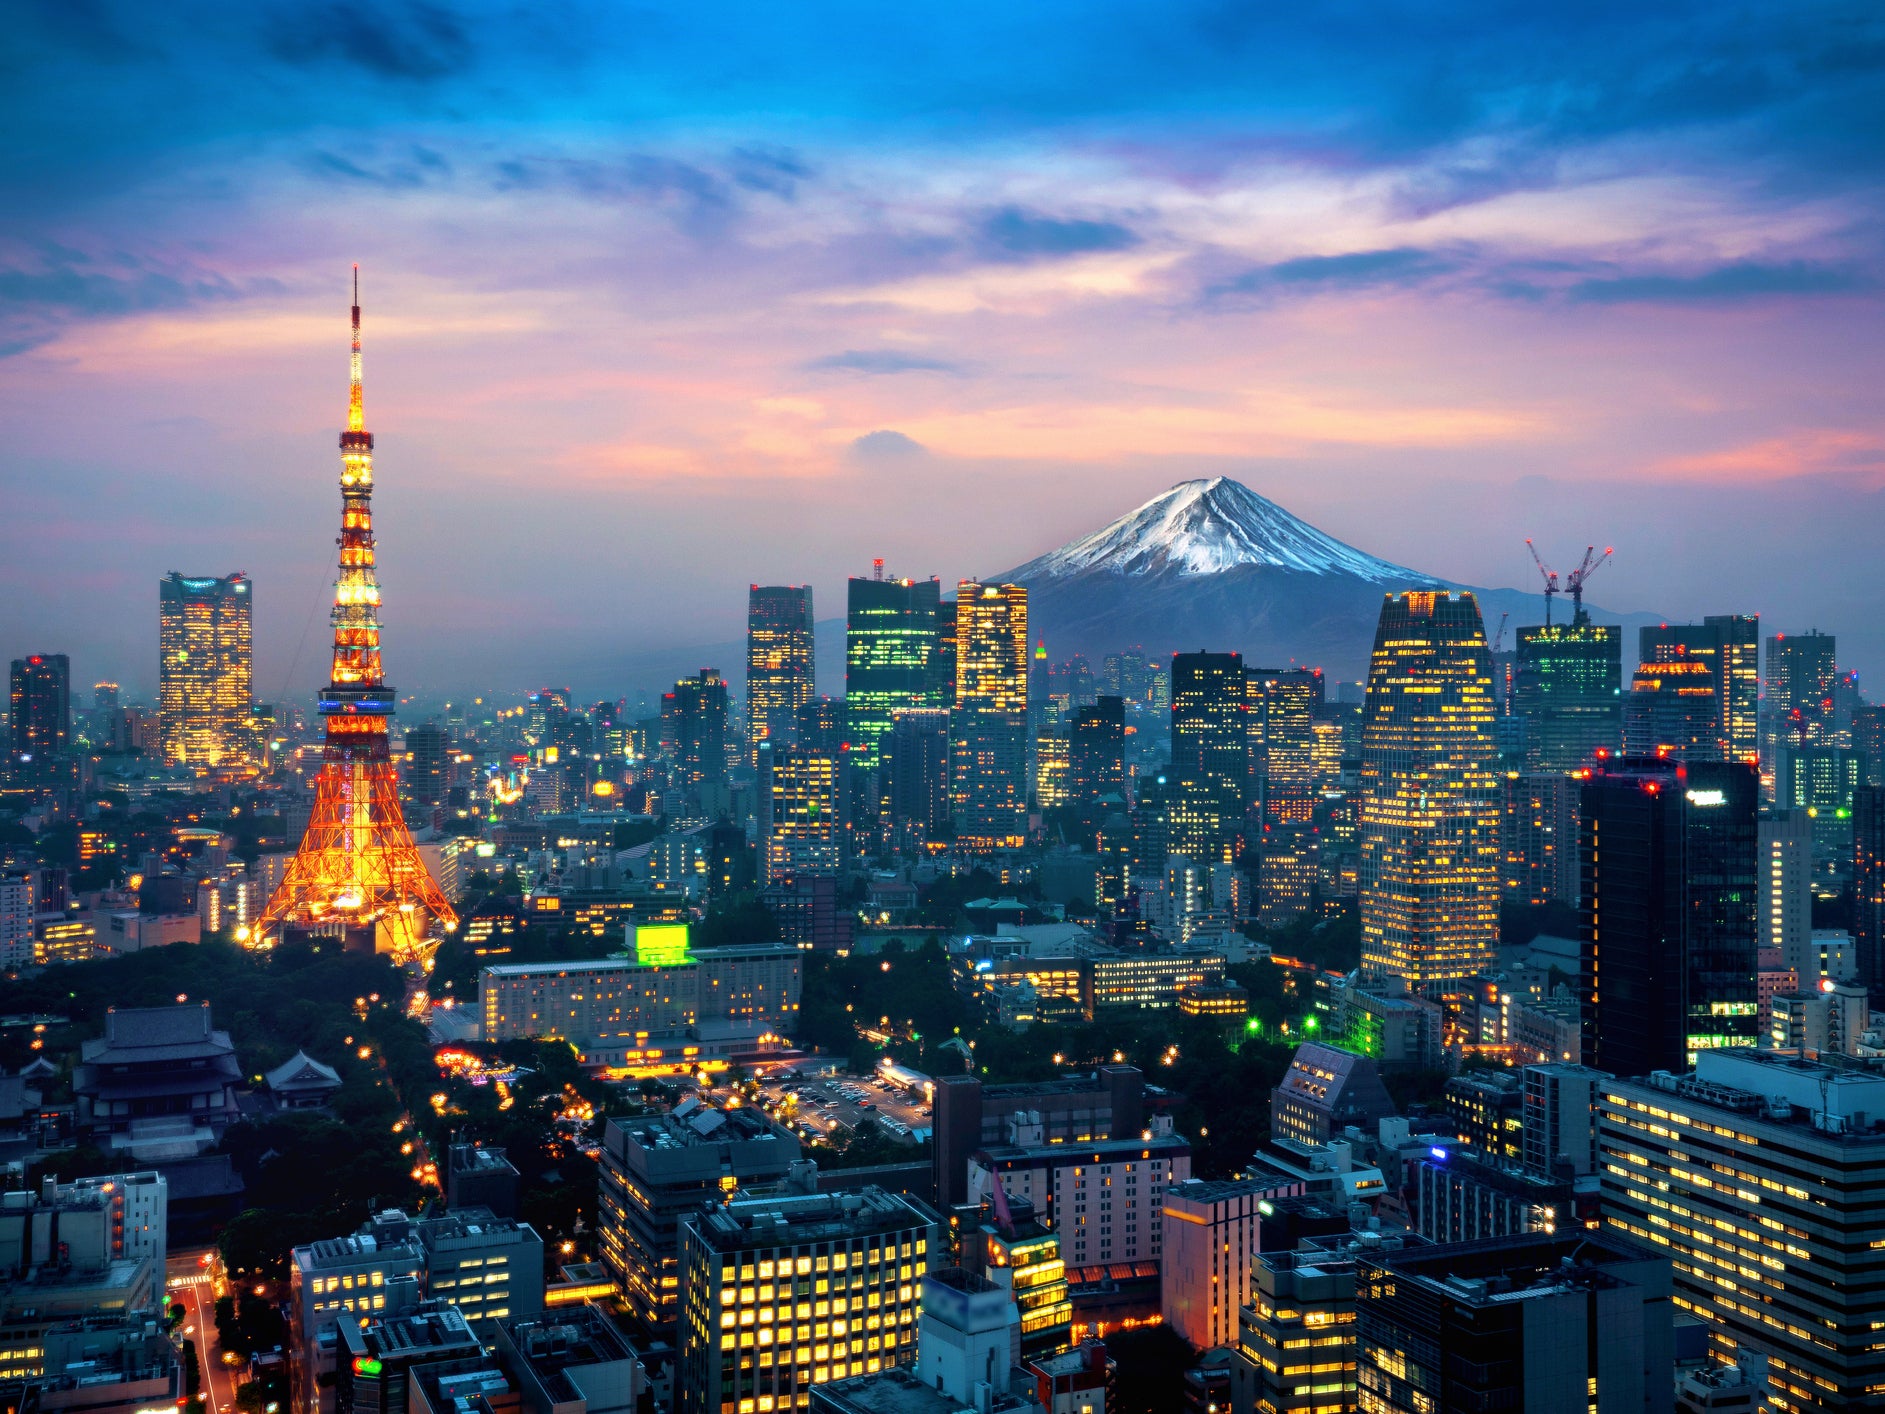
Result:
647,300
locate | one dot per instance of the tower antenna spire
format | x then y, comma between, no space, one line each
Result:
357,874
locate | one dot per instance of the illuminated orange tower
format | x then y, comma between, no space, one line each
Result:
357,874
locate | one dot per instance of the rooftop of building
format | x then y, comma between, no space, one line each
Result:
1218,1190
1091,1151
1338,1251
476,1158
1518,1268
388,1235
963,1280
550,1346
1097,1080
480,1223
436,1326
790,1218
900,1392
692,1122
1842,1100
145,1035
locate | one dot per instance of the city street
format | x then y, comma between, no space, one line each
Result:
189,1281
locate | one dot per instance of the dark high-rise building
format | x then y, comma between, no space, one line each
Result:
941,686
1283,705
1722,800
779,663
428,775
989,732
1868,739
39,711
823,725
1633,906
1801,672
1542,1321
104,697
891,657
1569,692
1868,885
1096,753
1210,774
700,727
1429,823
1671,709
916,771
1538,838
205,669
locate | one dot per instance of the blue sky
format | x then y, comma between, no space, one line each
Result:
665,299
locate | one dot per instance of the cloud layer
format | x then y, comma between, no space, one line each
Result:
663,302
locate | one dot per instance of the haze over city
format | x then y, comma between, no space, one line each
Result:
660,304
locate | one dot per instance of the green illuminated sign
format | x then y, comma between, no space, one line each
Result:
661,945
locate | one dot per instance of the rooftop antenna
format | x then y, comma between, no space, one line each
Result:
877,569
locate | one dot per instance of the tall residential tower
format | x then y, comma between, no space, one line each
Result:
1429,828
205,670
779,666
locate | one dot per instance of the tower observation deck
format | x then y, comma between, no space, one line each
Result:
357,874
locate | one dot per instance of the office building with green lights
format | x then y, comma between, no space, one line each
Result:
891,657
1569,692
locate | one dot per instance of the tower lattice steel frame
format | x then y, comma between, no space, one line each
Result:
358,872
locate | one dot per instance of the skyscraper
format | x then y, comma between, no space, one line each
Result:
1738,682
1429,826
804,822
1801,671
1671,709
779,662
1633,901
1285,702
358,873
428,763
700,727
1722,801
1868,885
989,734
1210,777
1538,837
1096,753
890,657
205,669
1785,901
1569,692
916,771
39,711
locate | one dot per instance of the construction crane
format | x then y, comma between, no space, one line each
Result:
1575,580
1498,639
1550,577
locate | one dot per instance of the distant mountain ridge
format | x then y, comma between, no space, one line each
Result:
1209,527
1212,564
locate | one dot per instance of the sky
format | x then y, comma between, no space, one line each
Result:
662,300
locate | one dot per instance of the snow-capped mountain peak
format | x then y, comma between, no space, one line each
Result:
1206,527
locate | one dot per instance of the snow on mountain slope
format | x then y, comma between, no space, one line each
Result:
1207,527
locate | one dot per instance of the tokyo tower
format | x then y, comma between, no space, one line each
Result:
357,874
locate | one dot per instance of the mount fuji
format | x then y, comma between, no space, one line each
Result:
1211,564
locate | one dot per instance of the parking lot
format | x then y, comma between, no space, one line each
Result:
843,1100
